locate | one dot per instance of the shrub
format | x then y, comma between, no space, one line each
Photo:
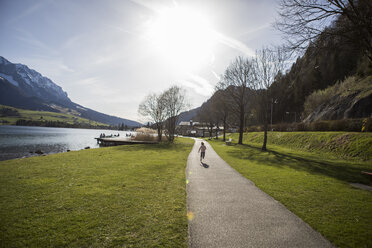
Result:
300,126
349,125
320,126
4,112
318,98
144,137
145,130
255,129
368,125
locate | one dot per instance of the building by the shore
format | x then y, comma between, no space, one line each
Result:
196,129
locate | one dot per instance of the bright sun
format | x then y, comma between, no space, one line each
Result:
183,37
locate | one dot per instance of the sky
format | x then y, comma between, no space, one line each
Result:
109,54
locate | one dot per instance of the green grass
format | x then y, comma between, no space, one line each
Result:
32,115
347,145
124,196
314,185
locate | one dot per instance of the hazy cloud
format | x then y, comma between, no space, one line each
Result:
29,38
35,6
236,44
216,75
199,84
256,29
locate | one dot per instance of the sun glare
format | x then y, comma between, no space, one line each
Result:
182,37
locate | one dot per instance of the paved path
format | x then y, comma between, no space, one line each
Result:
230,211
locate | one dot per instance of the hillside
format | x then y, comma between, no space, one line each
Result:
22,87
16,116
188,115
351,98
328,61
346,145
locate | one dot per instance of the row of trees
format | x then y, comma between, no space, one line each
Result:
46,123
163,110
244,87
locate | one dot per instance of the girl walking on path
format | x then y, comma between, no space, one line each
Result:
202,149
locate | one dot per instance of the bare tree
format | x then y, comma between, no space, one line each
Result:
303,21
222,109
154,106
175,102
267,65
207,116
236,81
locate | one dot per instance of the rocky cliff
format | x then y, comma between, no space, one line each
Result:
348,102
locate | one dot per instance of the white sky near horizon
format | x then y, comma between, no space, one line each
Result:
108,55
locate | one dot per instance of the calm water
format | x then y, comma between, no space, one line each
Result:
19,141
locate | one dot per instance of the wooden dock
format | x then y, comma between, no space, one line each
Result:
113,141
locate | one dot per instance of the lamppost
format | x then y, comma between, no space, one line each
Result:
294,115
271,116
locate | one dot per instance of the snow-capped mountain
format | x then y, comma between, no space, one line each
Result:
25,88
30,82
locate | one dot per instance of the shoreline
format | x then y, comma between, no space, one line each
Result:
23,141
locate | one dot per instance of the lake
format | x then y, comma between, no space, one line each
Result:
20,141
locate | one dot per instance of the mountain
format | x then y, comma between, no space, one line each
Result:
22,87
188,115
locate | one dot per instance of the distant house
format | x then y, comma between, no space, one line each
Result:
194,129
189,128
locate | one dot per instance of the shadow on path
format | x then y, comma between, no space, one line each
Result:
204,165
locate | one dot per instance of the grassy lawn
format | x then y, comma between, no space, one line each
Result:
314,185
124,196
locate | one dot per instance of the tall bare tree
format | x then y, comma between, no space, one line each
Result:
154,106
175,102
304,21
222,109
267,64
207,116
236,82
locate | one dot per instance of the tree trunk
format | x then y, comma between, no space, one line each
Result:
159,134
172,129
241,126
265,132
224,130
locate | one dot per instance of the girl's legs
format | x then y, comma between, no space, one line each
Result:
202,155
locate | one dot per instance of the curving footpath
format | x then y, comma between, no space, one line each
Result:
227,210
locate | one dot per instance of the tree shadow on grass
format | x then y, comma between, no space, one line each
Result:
340,170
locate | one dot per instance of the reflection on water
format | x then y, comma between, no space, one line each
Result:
19,141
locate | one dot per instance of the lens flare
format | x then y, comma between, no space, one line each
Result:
190,216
